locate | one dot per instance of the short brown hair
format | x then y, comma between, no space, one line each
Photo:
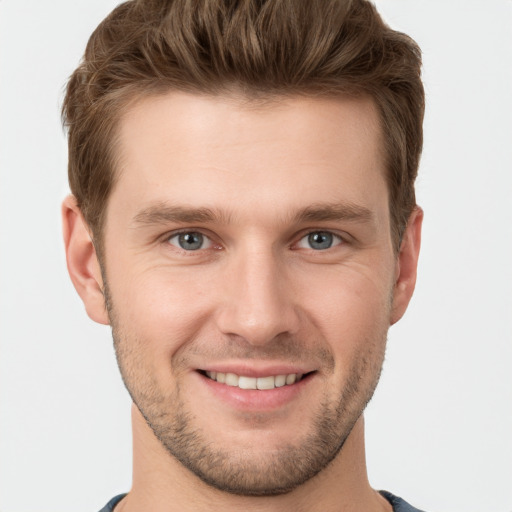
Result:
258,47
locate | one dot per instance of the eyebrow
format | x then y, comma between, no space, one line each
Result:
163,213
335,212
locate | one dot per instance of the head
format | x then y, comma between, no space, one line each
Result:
245,172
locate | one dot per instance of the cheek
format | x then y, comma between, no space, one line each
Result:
160,309
350,307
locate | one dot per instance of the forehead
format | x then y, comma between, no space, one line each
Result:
211,151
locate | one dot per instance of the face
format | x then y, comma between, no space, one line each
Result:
250,277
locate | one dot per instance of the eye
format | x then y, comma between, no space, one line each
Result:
319,240
190,241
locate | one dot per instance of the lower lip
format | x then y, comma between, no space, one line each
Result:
254,399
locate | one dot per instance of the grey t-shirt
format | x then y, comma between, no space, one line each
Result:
399,505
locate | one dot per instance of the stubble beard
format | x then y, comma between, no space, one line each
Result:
247,474
241,472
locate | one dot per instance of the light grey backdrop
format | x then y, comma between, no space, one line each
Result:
440,426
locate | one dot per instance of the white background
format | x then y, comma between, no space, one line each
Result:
440,426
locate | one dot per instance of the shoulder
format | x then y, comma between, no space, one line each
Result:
398,504
109,507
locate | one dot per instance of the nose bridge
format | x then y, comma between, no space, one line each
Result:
258,303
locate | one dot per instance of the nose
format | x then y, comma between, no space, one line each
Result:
258,302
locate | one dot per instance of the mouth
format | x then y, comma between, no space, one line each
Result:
256,389
263,383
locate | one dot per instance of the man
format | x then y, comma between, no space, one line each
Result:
243,216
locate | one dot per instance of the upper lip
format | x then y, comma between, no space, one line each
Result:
253,369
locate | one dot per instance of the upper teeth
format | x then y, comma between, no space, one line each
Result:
244,382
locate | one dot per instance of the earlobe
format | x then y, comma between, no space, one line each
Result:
407,264
83,265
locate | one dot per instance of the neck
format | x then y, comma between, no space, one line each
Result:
162,484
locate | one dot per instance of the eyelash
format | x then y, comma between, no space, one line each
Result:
341,240
334,236
168,237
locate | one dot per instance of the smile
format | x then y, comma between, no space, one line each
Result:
261,383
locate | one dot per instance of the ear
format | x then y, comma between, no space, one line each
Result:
406,265
83,265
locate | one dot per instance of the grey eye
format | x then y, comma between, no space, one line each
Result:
319,240
190,241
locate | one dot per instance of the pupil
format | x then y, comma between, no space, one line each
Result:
320,240
191,241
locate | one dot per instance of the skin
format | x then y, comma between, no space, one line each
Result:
256,298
